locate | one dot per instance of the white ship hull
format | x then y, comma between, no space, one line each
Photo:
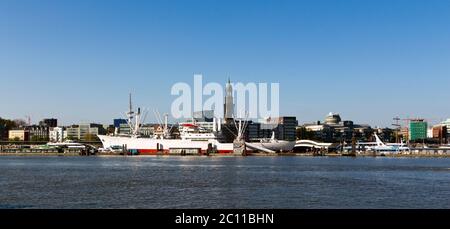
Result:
277,146
155,146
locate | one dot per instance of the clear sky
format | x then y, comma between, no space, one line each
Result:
367,60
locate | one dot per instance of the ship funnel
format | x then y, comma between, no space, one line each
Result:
214,125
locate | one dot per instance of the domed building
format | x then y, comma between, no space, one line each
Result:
332,119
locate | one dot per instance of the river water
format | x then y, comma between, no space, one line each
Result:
224,182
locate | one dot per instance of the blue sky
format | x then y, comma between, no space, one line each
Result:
368,60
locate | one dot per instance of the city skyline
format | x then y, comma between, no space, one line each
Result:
370,61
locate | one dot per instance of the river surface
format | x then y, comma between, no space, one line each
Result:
224,182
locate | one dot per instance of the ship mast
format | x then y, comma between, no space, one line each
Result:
134,119
130,115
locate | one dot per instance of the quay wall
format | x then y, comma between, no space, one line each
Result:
362,154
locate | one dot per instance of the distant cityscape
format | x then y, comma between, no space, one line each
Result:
333,129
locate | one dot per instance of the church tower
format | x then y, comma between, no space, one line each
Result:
228,106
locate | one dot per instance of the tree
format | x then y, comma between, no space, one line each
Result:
5,126
303,133
36,138
91,137
71,138
20,122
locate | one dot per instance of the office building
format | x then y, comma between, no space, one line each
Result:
56,134
19,135
49,122
333,129
118,122
446,123
283,127
84,132
417,129
404,134
439,132
124,129
38,132
286,128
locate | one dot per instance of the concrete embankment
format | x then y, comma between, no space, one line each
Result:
365,154
38,154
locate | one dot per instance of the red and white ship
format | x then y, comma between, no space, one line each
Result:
193,139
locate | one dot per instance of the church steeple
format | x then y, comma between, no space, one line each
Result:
229,106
